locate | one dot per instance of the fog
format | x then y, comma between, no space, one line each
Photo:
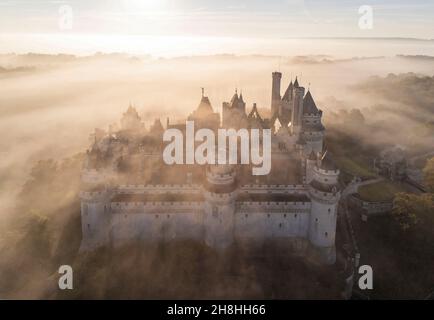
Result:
50,104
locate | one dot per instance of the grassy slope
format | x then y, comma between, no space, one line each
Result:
381,191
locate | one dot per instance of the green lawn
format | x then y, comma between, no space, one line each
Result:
381,191
352,167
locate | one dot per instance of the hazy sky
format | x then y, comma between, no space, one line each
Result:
249,19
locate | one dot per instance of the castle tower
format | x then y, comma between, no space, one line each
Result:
95,210
219,207
312,128
311,162
324,193
131,120
297,109
275,92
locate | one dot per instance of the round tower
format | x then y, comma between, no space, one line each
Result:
324,193
275,92
95,210
219,208
311,162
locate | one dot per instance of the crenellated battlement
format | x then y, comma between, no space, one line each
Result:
93,195
159,188
155,207
330,197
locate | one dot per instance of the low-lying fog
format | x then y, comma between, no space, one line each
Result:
51,103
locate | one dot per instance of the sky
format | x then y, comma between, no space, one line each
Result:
38,24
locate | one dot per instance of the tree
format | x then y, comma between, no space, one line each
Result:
410,209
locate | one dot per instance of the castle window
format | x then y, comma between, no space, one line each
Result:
88,226
284,215
247,215
326,234
316,220
156,216
329,210
280,225
295,215
168,216
268,215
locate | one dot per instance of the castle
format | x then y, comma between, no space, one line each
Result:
129,194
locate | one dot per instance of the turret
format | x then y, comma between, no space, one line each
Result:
204,115
220,195
325,194
297,110
312,128
131,120
310,166
275,92
95,209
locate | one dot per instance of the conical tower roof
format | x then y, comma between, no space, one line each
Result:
288,93
309,105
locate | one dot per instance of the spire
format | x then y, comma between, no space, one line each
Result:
296,85
157,127
234,100
203,92
204,105
309,105
288,93
254,113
